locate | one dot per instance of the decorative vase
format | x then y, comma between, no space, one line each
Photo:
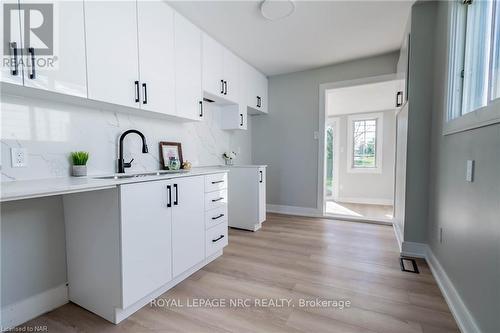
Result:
79,170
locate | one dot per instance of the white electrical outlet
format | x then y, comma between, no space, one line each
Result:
469,176
19,157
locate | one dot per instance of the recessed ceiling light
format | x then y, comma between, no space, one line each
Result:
274,10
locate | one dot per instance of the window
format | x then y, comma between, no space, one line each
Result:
365,143
474,78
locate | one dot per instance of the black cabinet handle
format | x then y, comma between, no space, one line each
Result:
169,202
176,202
201,108
225,87
241,119
31,51
217,182
137,92
261,179
218,199
399,98
13,46
217,239
145,92
222,86
217,217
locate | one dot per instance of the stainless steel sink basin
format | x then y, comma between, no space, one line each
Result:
146,174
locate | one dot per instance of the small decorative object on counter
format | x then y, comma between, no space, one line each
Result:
79,159
229,157
169,150
174,164
186,165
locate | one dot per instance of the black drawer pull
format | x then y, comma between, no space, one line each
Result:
217,182
31,50
217,217
217,239
219,199
13,46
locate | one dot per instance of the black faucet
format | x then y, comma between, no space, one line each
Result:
121,163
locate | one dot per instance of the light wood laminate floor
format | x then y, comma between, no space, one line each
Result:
293,258
382,212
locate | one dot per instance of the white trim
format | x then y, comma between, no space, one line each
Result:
366,201
460,312
399,235
485,116
320,204
34,306
336,155
293,210
413,249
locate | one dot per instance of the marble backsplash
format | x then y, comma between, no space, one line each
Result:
51,130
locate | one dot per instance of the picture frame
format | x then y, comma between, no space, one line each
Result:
168,150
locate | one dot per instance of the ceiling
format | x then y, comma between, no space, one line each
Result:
319,33
380,96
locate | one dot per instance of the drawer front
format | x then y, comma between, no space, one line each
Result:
215,182
215,199
215,216
216,239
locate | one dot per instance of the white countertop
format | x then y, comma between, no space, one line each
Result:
244,166
36,188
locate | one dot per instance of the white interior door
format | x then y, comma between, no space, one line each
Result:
188,223
146,231
68,74
188,90
112,59
156,56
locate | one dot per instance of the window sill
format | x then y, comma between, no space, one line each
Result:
485,116
365,170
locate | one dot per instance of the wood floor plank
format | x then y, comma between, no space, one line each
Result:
295,259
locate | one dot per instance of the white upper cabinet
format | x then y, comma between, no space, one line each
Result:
231,76
188,90
112,59
213,67
256,90
14,72
156,56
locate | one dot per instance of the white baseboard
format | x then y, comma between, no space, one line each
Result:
293,210
462,316
27,309
412,249
366,201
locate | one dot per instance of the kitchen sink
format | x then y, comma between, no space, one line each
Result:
146,174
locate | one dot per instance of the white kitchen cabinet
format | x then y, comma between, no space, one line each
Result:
231,76
188,223
112,56
188,76
255,90
146,238
234,117
13,73
247,190
156,56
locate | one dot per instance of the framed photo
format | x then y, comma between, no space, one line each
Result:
170,150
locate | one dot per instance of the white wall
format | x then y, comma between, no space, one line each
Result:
284,139
376,188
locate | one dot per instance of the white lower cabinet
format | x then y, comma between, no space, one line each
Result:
127,245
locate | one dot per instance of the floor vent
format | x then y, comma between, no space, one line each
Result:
408,265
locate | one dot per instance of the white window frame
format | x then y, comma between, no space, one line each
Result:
454,120
379,117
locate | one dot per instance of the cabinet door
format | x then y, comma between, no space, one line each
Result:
188,93
13,73
68,75
234,117
262,194
213,66
262,93
112,61
156,56
146,238
188,224
231,76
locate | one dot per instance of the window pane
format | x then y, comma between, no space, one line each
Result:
495,85
477,54
364,143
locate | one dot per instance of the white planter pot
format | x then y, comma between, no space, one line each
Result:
79,170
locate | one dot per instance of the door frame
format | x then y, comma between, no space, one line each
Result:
320,204
336,151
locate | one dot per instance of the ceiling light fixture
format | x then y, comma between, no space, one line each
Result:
275,10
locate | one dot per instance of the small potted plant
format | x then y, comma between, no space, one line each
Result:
79,159
228,157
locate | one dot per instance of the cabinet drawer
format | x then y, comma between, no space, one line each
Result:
216,239
215,216
215,182
215,199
